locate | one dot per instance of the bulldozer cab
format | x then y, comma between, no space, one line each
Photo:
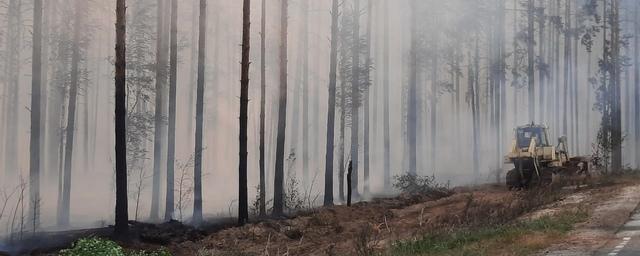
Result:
524,134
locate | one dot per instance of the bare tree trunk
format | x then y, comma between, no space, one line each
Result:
530,59
576,94
243,202
278,185
473,83
355,95
636,79
63,217
434,100
263,100
349,184
12,74
171,143
193,64
567,63
367,106
122,218
616,117
305,94
341,160
541,57
331,112
387,139
412,108
34,145
197,170
159,115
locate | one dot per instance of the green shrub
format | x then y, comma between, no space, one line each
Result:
94,246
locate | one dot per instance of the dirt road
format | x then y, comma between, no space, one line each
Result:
602,233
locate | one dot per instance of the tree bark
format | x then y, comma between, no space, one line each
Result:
197,172
34,145
243,202
63,217
387,139
367,106
331,112
278,185
541,58
530,59
355,94
121,216
305,94
412,110
616,117
567,63
12,69
173,81
263,100
636,79
158,140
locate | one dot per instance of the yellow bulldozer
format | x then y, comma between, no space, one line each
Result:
537,162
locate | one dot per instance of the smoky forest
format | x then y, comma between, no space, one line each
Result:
310,127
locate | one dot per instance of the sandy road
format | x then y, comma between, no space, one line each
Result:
627,241
610,229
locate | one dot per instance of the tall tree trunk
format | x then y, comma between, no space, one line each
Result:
616,117
355,95
173,81
278,185
63,217
530,59
193,64
367,105
576,94
197,170
12,69
412,108
636,81
121,215
34,145
158,140
331,112
474,82
341,160
556,59
263,102
567,63
387,139
514,67
541,58
434,99
305,94
44,90
243,202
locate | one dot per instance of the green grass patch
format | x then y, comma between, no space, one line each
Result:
94,246
520,238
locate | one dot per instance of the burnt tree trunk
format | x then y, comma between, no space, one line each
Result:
243,203
386,121
158,139
63,216
412,108
331,111
263,101
34,145
173,81
197,170
278,185
121,216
